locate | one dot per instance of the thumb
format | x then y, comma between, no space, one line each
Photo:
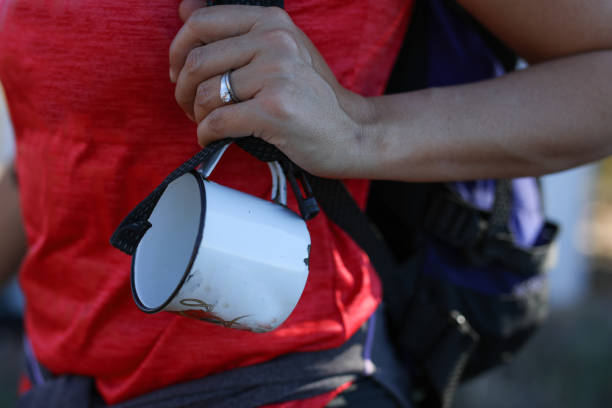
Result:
187,7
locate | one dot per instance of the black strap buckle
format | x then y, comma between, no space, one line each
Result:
447,342
501,247
306,201
483,240
454,221
447,361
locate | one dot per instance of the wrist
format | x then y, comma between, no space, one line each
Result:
361,144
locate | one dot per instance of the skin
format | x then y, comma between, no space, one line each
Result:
551,116
13,244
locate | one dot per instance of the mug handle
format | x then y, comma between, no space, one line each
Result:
133,227
279,183
207,167
279,180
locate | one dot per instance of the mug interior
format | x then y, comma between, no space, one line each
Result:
166,252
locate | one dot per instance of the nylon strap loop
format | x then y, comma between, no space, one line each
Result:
336,201
131,230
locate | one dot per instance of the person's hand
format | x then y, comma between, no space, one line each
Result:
289,96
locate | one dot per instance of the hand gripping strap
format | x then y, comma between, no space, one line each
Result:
335,199
135,225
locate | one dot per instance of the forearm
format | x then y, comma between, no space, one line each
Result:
552,116
546,118
12,237
541,30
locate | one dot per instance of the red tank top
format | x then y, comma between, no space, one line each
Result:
97,129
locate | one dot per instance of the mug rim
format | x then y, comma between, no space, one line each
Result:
194,253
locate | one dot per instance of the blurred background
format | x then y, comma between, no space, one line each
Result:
569,362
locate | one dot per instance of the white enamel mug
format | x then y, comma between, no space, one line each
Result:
223,256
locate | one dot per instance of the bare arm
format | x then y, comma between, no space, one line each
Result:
541,30
551,116
544,119
12,237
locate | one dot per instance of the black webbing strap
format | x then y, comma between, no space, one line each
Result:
446,363
335,200
133,227
131,230
484,236
340,207
501,209
456,222
332,195
498,244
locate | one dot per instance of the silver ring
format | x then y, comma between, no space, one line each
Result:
226,92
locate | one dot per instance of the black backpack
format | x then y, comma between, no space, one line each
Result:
445,332
452,332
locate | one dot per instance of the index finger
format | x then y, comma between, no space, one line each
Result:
211,24
189,6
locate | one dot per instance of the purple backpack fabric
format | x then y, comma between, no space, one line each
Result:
459,53
471,253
